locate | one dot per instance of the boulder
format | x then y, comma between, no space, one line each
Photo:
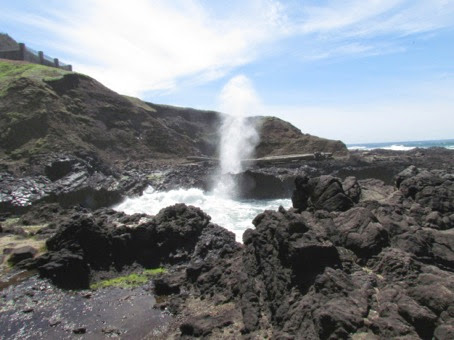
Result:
22,253
359,230
81,233
352,188
322,193
328,194
65,268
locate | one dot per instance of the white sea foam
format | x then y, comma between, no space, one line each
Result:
396,147
357,147
234,215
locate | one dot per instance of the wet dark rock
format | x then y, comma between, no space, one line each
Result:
65,268
69,180
185,176
61,167
22,253
18,194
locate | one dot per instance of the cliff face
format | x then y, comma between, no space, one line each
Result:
47,110
278,137
50,110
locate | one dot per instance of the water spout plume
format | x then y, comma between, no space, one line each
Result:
238,133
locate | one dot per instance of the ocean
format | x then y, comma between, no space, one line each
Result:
237,215
404,146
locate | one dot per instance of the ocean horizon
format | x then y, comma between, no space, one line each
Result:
403,145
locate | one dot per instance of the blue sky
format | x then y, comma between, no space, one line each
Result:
358,71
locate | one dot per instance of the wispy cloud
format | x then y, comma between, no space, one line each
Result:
139,46
375,17
365,28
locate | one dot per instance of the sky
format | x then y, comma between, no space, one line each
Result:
353,70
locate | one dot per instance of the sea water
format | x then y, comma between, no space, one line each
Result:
234,215
404,146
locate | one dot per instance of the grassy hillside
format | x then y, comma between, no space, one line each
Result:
50,110
47,110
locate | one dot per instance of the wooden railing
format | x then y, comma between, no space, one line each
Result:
37,57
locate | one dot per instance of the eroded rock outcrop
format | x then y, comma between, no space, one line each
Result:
372,268
324,193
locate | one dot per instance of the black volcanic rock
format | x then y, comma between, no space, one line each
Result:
82,233
65,268
22,253
432,189
380,269
170,237
359,230
352,188
322,193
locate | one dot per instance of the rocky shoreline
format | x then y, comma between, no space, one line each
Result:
364,253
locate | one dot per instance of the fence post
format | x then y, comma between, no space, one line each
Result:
41,57
56,62
21,51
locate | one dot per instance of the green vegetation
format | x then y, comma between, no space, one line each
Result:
10,71
129,281
155,177
9,222
40,72
33,147
155,271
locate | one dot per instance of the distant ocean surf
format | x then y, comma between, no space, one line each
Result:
404,146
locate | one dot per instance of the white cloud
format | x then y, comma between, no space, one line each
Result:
376,17
155,45
364,28
140,45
